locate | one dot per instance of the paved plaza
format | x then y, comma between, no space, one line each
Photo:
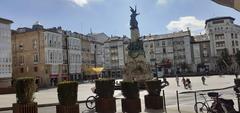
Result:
48,96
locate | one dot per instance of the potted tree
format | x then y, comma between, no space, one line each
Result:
25,88
153,100
131,103
105,103
67,96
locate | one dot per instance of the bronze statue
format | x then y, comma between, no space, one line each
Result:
133,21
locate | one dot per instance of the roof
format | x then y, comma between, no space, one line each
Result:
5,21
219,18
167,36
200,38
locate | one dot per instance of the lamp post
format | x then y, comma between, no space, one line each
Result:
156,70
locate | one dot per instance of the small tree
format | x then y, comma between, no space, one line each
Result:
225,60
226,57
25,89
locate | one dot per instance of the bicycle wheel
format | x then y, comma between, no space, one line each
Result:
90,102
200,107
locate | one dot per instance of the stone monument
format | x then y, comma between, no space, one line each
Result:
136,67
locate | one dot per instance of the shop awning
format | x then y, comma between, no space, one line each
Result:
94,70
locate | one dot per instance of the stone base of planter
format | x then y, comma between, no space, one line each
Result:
67,109
153,102
105,105
131,105
25,108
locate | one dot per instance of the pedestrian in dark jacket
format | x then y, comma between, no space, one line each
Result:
203,80
188,83
184,82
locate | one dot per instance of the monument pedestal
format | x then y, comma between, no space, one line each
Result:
136,68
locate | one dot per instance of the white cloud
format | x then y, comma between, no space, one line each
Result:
162,2
82,3
183,23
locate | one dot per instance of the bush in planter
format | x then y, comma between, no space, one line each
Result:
67,92
153,87
130,89
105,88
25,88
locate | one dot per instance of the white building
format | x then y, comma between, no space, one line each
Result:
6,53
223,34
114,56
53,54
171,51
97,47
98,53
74,55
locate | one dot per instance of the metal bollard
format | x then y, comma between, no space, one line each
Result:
195,95
178,102
164,102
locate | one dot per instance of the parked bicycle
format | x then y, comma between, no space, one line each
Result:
91,102
219,105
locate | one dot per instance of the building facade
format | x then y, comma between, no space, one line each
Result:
169,52
6,53
202,54
223,34
38,53
114,56
74,55
86,55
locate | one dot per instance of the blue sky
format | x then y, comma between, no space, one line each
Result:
112,16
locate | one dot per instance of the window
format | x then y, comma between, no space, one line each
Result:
163,43
236,42
219,36
21,46
164,50
218,21
21,59
34,44
220,44
233,50
233,43
35,59
151,45
35,69
21,70
232,35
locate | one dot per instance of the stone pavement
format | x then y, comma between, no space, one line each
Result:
48,96
83,109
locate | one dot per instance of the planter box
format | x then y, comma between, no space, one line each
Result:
25,108
67,109
131,105
153,102
105,105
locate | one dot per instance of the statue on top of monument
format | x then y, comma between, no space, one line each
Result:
133,21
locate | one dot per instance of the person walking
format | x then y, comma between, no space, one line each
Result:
184,82
203,80
188,84
177,80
